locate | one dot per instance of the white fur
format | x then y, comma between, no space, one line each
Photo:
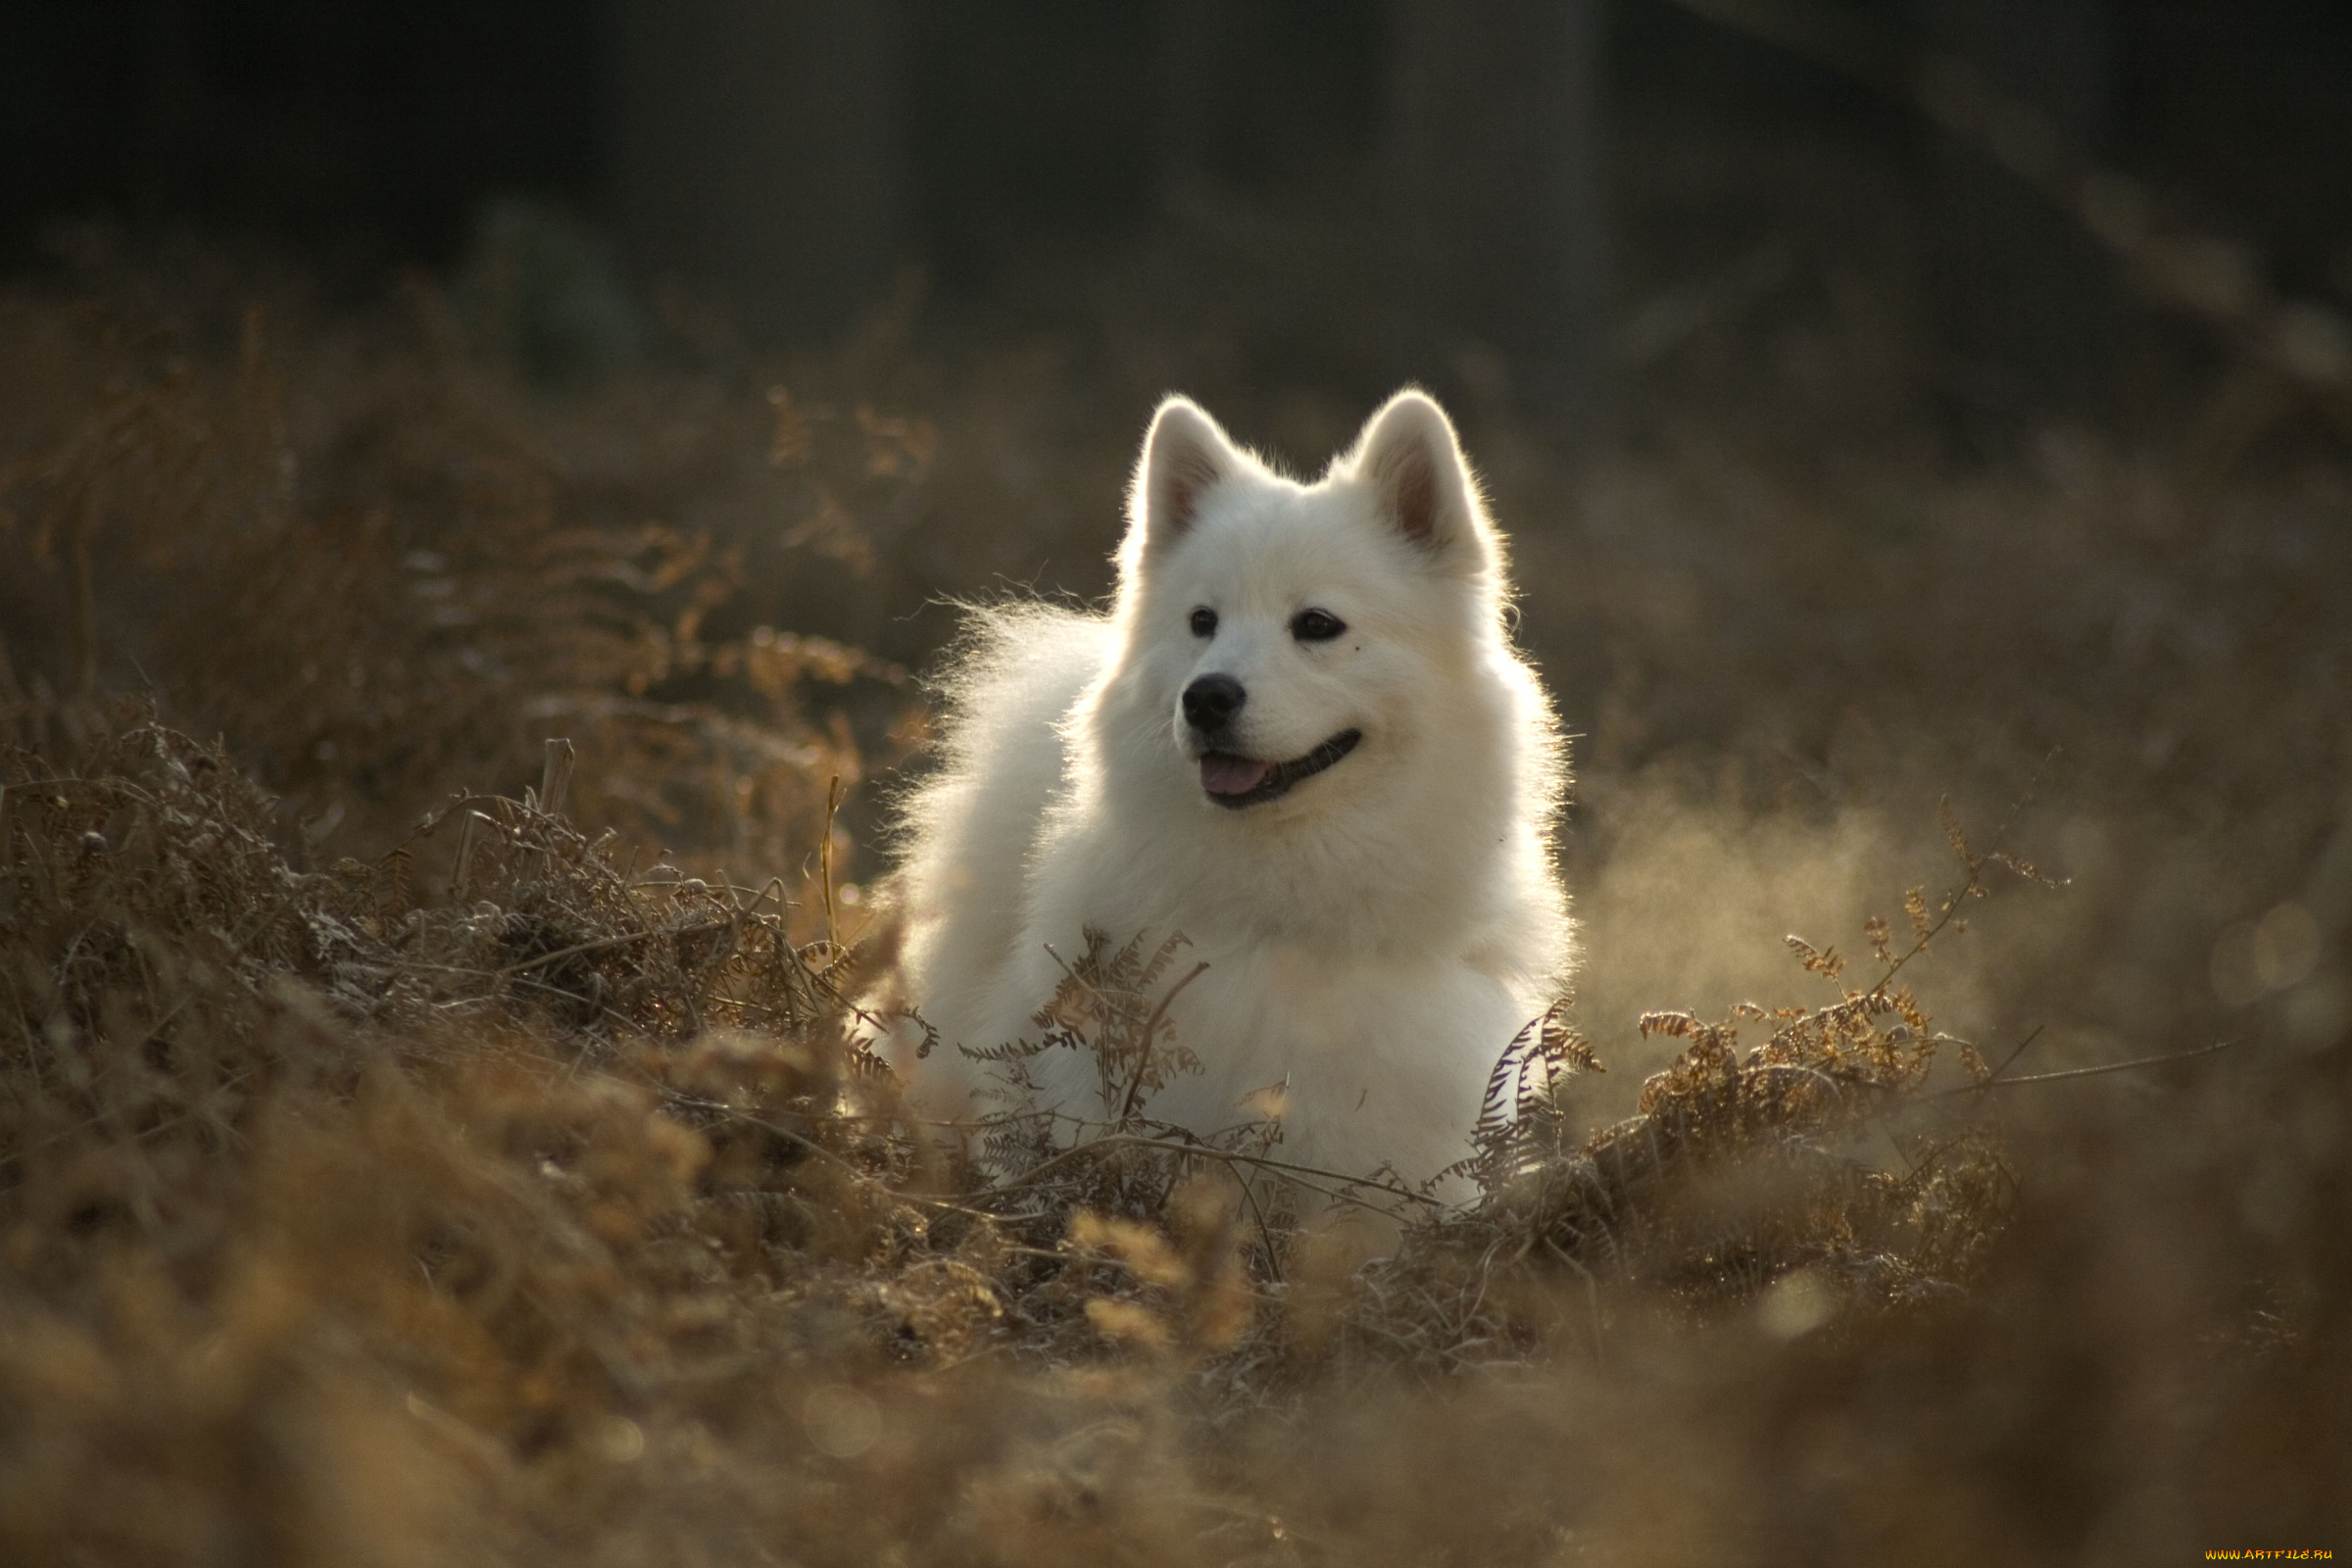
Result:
1376,936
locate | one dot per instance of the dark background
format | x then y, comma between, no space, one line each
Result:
792,156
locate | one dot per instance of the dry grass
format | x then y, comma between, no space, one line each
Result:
398,1164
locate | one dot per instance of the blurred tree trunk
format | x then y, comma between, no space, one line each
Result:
172,124
1499,218
2029,306
1201,46
759,148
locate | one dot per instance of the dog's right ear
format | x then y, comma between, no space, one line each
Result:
1185,455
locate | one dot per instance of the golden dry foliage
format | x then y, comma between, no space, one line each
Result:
360,551
456,1181
560,1215
340,1218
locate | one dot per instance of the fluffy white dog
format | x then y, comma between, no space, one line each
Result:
1301,739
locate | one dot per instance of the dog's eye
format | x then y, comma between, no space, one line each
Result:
1316,625
1205,623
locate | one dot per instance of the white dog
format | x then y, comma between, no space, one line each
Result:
1302,740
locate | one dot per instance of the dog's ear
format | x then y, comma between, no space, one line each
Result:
1185,454
1410,459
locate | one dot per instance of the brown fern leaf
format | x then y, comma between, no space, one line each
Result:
1822,962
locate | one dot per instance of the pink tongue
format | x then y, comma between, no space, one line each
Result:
1224,775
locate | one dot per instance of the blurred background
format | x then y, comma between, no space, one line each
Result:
1511,180
1891,401
1886,397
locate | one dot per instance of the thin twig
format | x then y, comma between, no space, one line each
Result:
1975,865
1174,1147
824,850
1143,1062
2084,1072
2010,1059
623,939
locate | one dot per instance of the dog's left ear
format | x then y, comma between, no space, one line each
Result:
1410,458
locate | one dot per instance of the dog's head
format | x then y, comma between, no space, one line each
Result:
1283,631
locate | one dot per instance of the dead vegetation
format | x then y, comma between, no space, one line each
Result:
491,1188
398,1164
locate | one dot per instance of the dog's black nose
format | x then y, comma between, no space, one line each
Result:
1212,700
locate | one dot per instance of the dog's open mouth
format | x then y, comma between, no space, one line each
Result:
1239,781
